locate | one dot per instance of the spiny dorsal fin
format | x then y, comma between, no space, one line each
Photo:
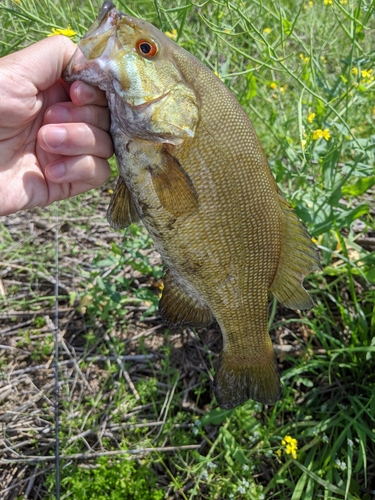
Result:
173,186
121,211
243,376
178,308
299,257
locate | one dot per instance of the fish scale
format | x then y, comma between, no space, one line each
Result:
193,171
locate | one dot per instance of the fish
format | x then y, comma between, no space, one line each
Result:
193,171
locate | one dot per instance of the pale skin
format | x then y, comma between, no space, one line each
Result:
54,137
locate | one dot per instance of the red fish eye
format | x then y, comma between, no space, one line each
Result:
147,48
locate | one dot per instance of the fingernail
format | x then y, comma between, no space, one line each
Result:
54,136
85,93
56,171
57,114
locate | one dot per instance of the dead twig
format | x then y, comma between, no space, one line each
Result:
86,456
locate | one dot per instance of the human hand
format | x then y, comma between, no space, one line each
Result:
54,140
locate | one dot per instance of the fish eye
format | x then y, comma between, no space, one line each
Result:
146,48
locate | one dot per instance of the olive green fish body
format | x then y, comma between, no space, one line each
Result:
192,169
225,254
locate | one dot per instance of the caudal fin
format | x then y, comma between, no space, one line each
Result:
241,377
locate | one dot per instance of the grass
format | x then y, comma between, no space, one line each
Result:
304,72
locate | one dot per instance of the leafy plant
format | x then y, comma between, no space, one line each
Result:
114,479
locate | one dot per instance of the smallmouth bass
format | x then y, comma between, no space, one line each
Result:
193,170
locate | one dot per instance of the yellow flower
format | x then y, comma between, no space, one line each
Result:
366,73
303,143
17,1
343,2
311,4
291,446
323,59
278,453
283,88
355,71
273,86
66,32
319,133
172,35
311,117
267,30
328,2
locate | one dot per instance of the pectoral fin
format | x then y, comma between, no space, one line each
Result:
176,307
121,211
173,186
299,257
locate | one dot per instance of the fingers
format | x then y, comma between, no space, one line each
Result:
84,172
67,112
81,93
73,139
77,154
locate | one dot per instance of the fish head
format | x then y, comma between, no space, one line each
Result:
134,60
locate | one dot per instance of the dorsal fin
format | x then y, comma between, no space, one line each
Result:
121,211
299,257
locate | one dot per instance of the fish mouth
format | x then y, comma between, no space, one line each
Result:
98,42
96,60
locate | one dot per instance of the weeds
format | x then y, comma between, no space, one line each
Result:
304,72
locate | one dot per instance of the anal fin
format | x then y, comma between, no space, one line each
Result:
177,308
244,376
299,257
121,211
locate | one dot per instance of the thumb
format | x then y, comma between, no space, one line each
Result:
43,62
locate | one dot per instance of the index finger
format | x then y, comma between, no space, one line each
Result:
82,93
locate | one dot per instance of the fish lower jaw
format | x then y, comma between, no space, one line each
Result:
91,72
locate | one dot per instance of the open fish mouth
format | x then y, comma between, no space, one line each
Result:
97,47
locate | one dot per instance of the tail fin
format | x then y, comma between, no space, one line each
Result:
241,377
